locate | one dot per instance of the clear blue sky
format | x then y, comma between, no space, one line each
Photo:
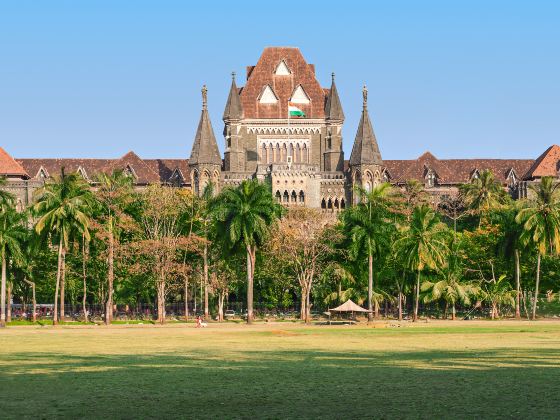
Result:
94,78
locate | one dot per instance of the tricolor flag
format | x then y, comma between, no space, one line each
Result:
294,111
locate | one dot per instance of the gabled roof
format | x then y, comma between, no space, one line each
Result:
546,164
365,150
9,167
333,107
263,74
166,167
234,109
143,173
349,306
205,148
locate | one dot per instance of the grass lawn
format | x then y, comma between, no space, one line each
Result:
437,370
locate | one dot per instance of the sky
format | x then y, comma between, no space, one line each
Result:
97,78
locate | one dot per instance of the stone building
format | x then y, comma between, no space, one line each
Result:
301,158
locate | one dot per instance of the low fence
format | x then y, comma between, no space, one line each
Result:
548,306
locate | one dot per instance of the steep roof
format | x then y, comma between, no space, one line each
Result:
546,164
299,73
454,171
234,109
365,150
131,161
165,168
9,167
205,148
333,107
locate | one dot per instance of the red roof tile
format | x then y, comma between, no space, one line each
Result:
9,167
546,164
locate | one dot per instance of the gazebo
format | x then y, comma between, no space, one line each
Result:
348,306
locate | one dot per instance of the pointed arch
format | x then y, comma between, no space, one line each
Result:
301,197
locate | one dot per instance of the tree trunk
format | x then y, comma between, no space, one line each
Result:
84,299
250,272
453,314
55,313
32,284
370,289
221,298
186,298
417,298
206,309
307,306
537,286
9,303
3,290
110,274
62,283
302,309
400,305
161,302
517,286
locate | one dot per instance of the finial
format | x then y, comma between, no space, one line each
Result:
204,97
332,76
364,93
233,76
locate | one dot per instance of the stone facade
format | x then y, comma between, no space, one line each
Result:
301,158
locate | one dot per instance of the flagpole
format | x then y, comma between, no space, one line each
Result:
288,145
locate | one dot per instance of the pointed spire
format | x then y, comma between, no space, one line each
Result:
233,110
205,148
365,150
333,107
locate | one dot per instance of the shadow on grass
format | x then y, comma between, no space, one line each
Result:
284,384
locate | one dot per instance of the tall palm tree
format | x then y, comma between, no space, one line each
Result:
367,227
540,219
114,193
12,234
483,194
63,209
422,245
243,217
511,246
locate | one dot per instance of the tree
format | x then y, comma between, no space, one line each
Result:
115,194
540,219
483,194
7,199
367,228
301,243
243,217
12,234
497,293
450,288
63,208
162,240
422,245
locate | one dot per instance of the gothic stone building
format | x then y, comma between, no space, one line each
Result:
301,158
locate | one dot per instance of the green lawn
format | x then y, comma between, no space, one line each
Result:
437,370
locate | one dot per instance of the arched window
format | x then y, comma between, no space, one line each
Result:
342,203
336,203
264,156
329,204
292,152
284,157
286,197
298,154
305,157
294,197
301,197
277,157
323,204
278,196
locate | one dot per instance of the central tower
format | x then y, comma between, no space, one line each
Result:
301,156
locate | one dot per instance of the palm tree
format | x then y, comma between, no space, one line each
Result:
497,293
366,225
63,209
450,288
511,247
483,194
12,234
422,245
540,219
114,193
243,217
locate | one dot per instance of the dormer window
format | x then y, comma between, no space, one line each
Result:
82,173
282,69
42,174
268,96
475,175
299,96
430,179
